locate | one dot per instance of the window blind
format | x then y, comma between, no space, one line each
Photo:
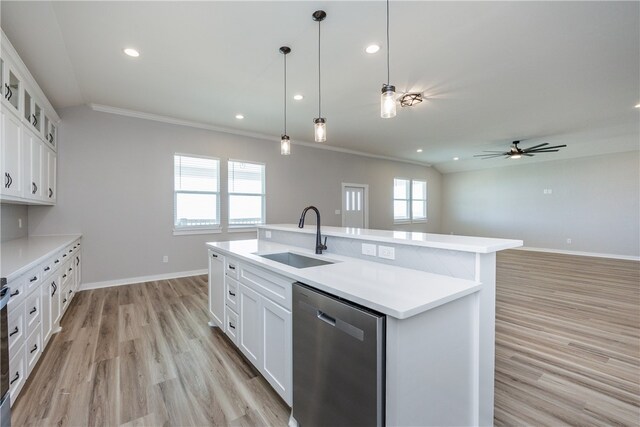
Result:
196,192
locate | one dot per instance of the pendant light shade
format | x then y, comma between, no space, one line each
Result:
388,96
319,123
285,145
285,142
388,102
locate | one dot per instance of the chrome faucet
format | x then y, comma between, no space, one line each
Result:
319,245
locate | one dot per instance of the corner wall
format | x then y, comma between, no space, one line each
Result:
115,186
595,202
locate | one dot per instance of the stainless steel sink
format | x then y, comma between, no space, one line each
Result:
295,260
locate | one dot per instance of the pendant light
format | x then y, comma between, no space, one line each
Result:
319,123
285,142
388,97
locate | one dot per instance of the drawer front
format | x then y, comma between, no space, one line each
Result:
32,279
47,268
32,309
16,329
231,325
272,286
231,293
17,373
33,349
231,268
18,292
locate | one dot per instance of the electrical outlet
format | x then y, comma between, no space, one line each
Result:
386,252
337,211
19,222
165,258
569,240
267,234
368,249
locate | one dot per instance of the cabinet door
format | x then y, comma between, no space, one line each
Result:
45,301
77,272
55,291
12,157
216,288
250,337
33,150
12,89
277,348
49,164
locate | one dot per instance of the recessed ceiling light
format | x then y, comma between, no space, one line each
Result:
419,150
131,52
637,105
456,158
372,48
298,97
239,116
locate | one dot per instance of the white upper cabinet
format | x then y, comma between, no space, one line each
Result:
28,134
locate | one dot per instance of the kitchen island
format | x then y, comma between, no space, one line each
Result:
438,295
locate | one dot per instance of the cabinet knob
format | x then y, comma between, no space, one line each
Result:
16,292
214,255
16,378
35,347
33,279
47,268
232,294
8,185
33,310
15,331
50,192
34,188
231,325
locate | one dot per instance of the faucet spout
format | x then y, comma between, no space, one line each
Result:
319,245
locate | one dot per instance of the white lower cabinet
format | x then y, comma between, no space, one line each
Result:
250,325
277,348
216,288
260,326
36,306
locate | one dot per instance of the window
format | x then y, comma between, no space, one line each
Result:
196,193
246,193
409,200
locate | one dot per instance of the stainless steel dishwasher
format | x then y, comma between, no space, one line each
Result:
338,361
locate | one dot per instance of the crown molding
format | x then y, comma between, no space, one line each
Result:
271,138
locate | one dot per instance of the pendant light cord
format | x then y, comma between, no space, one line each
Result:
388,67
285,94
319,76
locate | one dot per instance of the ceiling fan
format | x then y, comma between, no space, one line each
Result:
516,152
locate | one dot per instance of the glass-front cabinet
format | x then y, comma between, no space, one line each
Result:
11,86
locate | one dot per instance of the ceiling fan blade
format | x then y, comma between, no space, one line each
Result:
535,146
527,154
542,151
489,156
546,148
487,151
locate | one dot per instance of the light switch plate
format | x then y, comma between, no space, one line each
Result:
368,249
386,252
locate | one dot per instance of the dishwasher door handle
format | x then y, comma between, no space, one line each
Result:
326,318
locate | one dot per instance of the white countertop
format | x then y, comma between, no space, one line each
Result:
19,255
395,291
452,242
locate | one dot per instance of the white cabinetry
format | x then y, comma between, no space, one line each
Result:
216,288
257,317
28,134
36,307
11,150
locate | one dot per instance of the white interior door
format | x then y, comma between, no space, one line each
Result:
354,206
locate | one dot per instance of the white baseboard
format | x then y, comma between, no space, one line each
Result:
132,280
592,254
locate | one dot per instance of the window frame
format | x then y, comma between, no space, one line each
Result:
208,229
410,200
263,205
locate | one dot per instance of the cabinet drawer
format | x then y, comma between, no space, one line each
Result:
18,292
47,268
32,279
231,293
17,373
272,286
231,325
16,330
33,349
231,268
32,308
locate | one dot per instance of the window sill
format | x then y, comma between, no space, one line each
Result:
415,221
242,229
197,231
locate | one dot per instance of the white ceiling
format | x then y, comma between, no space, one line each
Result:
557,72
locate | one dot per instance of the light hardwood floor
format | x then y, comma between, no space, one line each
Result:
567,340
144,355
567,353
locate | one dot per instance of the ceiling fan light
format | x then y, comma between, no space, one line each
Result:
515,156
320,129
285,145
388,102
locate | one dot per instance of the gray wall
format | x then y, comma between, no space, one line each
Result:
115,186
9,215
595,201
